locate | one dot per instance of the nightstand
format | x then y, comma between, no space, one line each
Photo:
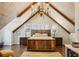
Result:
23,41
59,41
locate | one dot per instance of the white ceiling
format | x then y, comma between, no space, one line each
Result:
9,10
66,8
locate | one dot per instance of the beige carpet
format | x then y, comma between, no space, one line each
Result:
41,54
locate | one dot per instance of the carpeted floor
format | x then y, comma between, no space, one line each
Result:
41,54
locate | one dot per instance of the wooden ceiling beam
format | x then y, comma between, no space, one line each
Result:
27,8
45,14
25,21
56,22
68,19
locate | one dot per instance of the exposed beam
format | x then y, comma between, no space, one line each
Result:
52,7
25,21
46,15
27,8
68,19
56,22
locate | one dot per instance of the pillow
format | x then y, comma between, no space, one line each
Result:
37,35
40,35
44,35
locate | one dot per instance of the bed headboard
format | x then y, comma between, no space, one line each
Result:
41,31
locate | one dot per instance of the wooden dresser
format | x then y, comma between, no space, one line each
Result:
41,45
23,41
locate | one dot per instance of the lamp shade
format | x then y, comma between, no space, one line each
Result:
55,28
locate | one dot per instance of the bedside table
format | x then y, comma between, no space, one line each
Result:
59,41
23,41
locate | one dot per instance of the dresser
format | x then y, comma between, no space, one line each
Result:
23,41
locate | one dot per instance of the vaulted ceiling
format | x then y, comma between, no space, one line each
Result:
66,8
9,11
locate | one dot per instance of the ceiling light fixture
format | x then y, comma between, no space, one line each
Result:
42,7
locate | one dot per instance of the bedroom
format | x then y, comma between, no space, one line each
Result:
48,26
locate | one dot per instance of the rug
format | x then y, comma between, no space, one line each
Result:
41,54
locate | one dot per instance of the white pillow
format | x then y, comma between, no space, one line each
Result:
37,35
44,35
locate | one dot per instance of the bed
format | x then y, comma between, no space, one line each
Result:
41,40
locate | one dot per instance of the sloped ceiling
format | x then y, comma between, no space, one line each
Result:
66,8
8,11
77,15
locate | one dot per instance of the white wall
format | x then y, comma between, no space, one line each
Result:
77,16
37,20
7,31
62,21
77,21
7,35
75,36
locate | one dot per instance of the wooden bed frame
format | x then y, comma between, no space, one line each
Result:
41,44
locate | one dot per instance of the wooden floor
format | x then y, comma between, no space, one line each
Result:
18,50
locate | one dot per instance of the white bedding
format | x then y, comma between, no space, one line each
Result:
43,38
40,35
